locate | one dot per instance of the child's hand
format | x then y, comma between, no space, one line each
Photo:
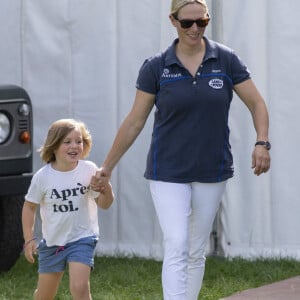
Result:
30,250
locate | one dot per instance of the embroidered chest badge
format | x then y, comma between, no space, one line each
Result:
167,74
216,83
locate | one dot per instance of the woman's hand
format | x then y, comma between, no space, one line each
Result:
260,160
100,181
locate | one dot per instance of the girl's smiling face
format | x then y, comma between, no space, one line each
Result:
69,151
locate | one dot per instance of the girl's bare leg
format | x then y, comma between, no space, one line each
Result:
80,281
47,287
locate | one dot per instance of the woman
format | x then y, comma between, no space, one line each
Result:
189,161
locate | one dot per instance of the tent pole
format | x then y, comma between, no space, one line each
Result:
217,20
217,35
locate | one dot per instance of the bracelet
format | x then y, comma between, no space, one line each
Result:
266,144
26,243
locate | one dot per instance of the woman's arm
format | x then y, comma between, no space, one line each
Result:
129,130
249,94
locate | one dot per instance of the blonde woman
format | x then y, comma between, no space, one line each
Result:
191,84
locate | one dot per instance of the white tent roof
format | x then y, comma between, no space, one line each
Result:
80,59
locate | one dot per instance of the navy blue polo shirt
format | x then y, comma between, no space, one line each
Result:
190,139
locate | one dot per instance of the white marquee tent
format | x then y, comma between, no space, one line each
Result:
80,58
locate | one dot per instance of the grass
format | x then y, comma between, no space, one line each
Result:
139,279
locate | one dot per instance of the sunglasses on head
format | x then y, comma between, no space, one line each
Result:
185,23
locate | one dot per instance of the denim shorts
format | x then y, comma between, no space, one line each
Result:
55,258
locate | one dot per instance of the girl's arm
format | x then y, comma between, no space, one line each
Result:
105,198
28,221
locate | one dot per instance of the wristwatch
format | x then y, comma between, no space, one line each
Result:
266,144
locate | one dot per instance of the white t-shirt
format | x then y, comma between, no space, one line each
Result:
67,206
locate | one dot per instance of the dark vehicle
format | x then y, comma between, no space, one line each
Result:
15,169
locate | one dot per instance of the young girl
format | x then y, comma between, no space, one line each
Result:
68,209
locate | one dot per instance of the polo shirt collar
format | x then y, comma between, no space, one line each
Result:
210,53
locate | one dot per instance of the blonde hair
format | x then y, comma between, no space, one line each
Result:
176,5
57,132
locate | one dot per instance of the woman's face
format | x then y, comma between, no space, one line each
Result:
192,35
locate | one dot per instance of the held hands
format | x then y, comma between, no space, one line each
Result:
260,160
100,182
30,250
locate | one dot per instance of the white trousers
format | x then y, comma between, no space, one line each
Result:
186,214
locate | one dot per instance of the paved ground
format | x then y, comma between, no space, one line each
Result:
288,289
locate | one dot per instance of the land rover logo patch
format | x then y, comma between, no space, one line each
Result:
216,83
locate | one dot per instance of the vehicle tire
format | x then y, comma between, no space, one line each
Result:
11,234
